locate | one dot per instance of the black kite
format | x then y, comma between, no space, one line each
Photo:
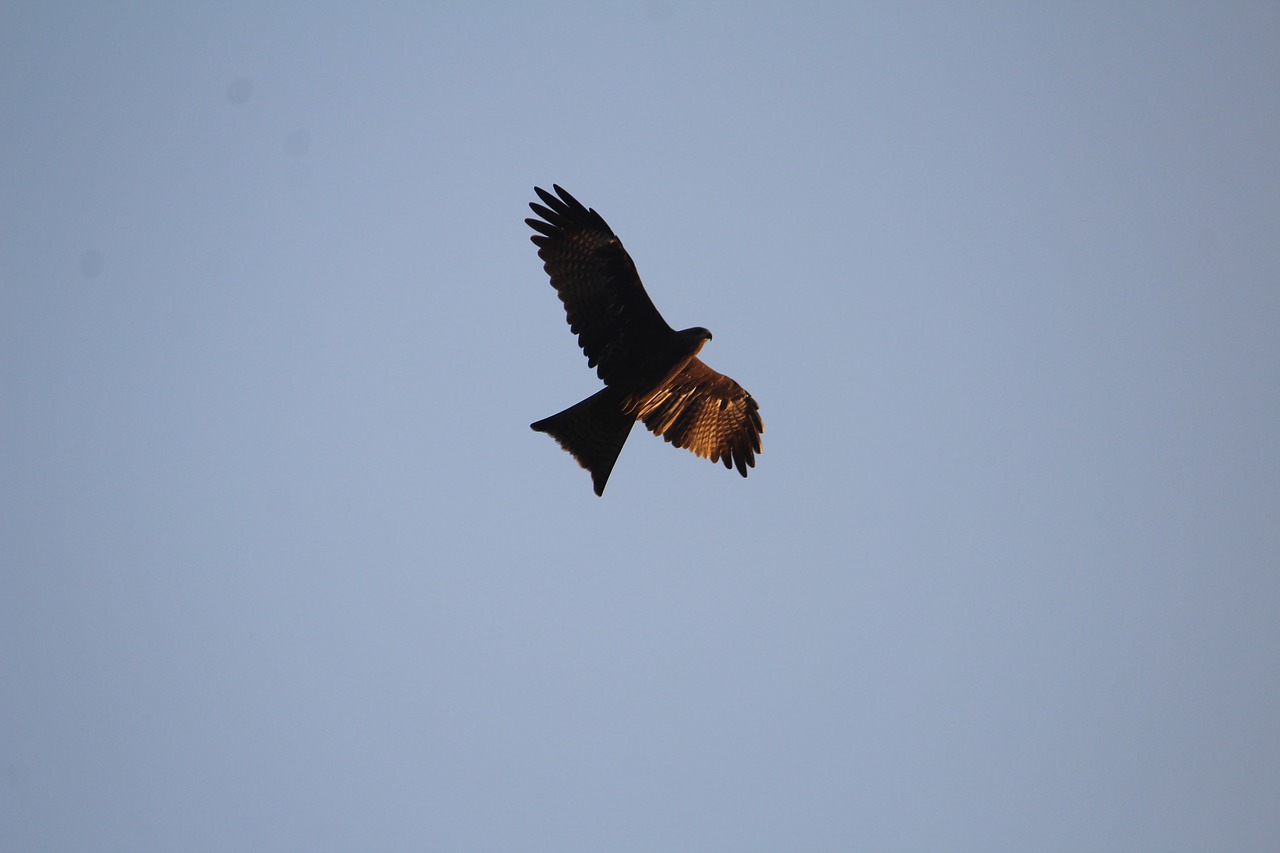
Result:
651,372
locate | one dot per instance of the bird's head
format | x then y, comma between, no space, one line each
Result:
694,338
697,336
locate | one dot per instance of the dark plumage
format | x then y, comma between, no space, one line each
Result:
651,372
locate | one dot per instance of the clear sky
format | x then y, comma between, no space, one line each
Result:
283,567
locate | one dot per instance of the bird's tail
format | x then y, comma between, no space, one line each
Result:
593,431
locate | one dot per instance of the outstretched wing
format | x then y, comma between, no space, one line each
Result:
708,413
616,323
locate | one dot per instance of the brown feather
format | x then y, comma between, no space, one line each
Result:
707,413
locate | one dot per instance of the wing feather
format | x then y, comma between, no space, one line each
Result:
605,303
708,413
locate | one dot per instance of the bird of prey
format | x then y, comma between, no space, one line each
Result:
651,372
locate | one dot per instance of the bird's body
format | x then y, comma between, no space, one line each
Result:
651,372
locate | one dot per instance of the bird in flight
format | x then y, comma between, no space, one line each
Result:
651,372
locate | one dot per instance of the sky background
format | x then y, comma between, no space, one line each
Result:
283,567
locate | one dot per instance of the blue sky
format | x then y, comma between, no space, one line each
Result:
283,567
